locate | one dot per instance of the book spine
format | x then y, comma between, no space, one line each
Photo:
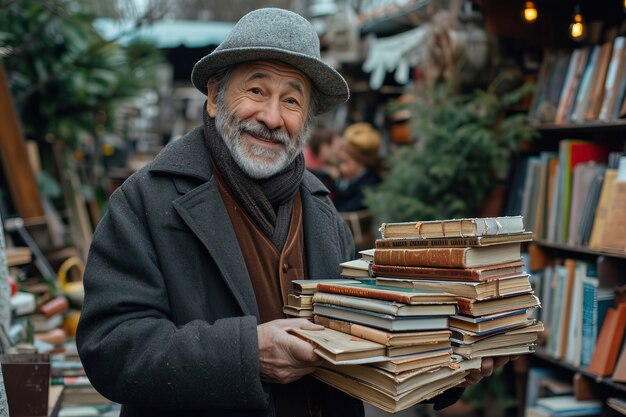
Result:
363,292
427,243
430,273
432,257
465,306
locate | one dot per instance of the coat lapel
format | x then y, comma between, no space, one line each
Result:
204,212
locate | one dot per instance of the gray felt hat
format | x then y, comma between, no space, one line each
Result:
268,34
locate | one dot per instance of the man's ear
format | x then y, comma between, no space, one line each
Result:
211,103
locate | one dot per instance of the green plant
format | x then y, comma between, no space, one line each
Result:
463,146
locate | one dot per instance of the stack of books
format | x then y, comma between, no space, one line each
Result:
299,300
387,346
478,260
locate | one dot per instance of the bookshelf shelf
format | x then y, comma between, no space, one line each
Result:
578,249
595,126
604,381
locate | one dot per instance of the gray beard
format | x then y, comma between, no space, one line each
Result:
255,160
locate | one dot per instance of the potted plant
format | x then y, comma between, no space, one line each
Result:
461,150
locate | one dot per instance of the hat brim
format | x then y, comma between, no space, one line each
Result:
331,87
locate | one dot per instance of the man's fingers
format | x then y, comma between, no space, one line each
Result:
486,367
499,361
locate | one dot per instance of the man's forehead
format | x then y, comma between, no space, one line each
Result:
268,69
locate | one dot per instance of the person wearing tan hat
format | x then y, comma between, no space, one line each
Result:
358,165
191,264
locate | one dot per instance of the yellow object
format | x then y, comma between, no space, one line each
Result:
70,322
577,29
73,289
529,13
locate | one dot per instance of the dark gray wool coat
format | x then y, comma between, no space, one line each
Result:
169,320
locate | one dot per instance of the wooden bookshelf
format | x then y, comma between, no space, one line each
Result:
544,356
596,126
573,250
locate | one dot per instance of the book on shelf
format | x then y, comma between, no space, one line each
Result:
355,268
573,78
548,96
309,286
571,153
619,373
389,293
602,208
380,320
609,341
482,273
468,257
384,337
573,338
588,215
337,347
582,180
472,307
614,234
598,88
466,227
613,85
18,256
518,284
583,95
452,242
489,323
387,307
596,302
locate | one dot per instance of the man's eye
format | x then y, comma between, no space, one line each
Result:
292,101
255,90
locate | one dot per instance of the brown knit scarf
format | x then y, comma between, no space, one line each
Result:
268,201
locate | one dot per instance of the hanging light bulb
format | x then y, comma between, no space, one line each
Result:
529,12
578,27
624,5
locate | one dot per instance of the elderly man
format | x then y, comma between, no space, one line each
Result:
190,266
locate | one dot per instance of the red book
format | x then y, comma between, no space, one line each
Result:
609,341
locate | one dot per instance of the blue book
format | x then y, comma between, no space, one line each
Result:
596,302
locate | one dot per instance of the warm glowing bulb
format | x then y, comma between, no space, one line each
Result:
624,4
529,14
577,29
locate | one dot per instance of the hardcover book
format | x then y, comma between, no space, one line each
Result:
468,257
387,307
390,293
381,321
481,273
384,337
482,290
466,227
452,242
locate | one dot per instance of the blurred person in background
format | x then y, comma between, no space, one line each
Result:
359,165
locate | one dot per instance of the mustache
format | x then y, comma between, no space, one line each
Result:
260,130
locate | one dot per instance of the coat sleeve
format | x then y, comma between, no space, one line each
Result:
132,353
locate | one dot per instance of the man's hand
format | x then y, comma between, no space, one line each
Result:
487,366
284,357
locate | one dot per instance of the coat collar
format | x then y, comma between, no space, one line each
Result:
202,209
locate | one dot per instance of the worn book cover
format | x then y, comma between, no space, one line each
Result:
388,307
482,290
390,293
381,321
485,226
468,257
472,307
481,273
452,242
309,286
386,338
337,347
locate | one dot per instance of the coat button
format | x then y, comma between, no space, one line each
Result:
285,268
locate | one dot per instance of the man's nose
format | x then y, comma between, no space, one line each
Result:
271,115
